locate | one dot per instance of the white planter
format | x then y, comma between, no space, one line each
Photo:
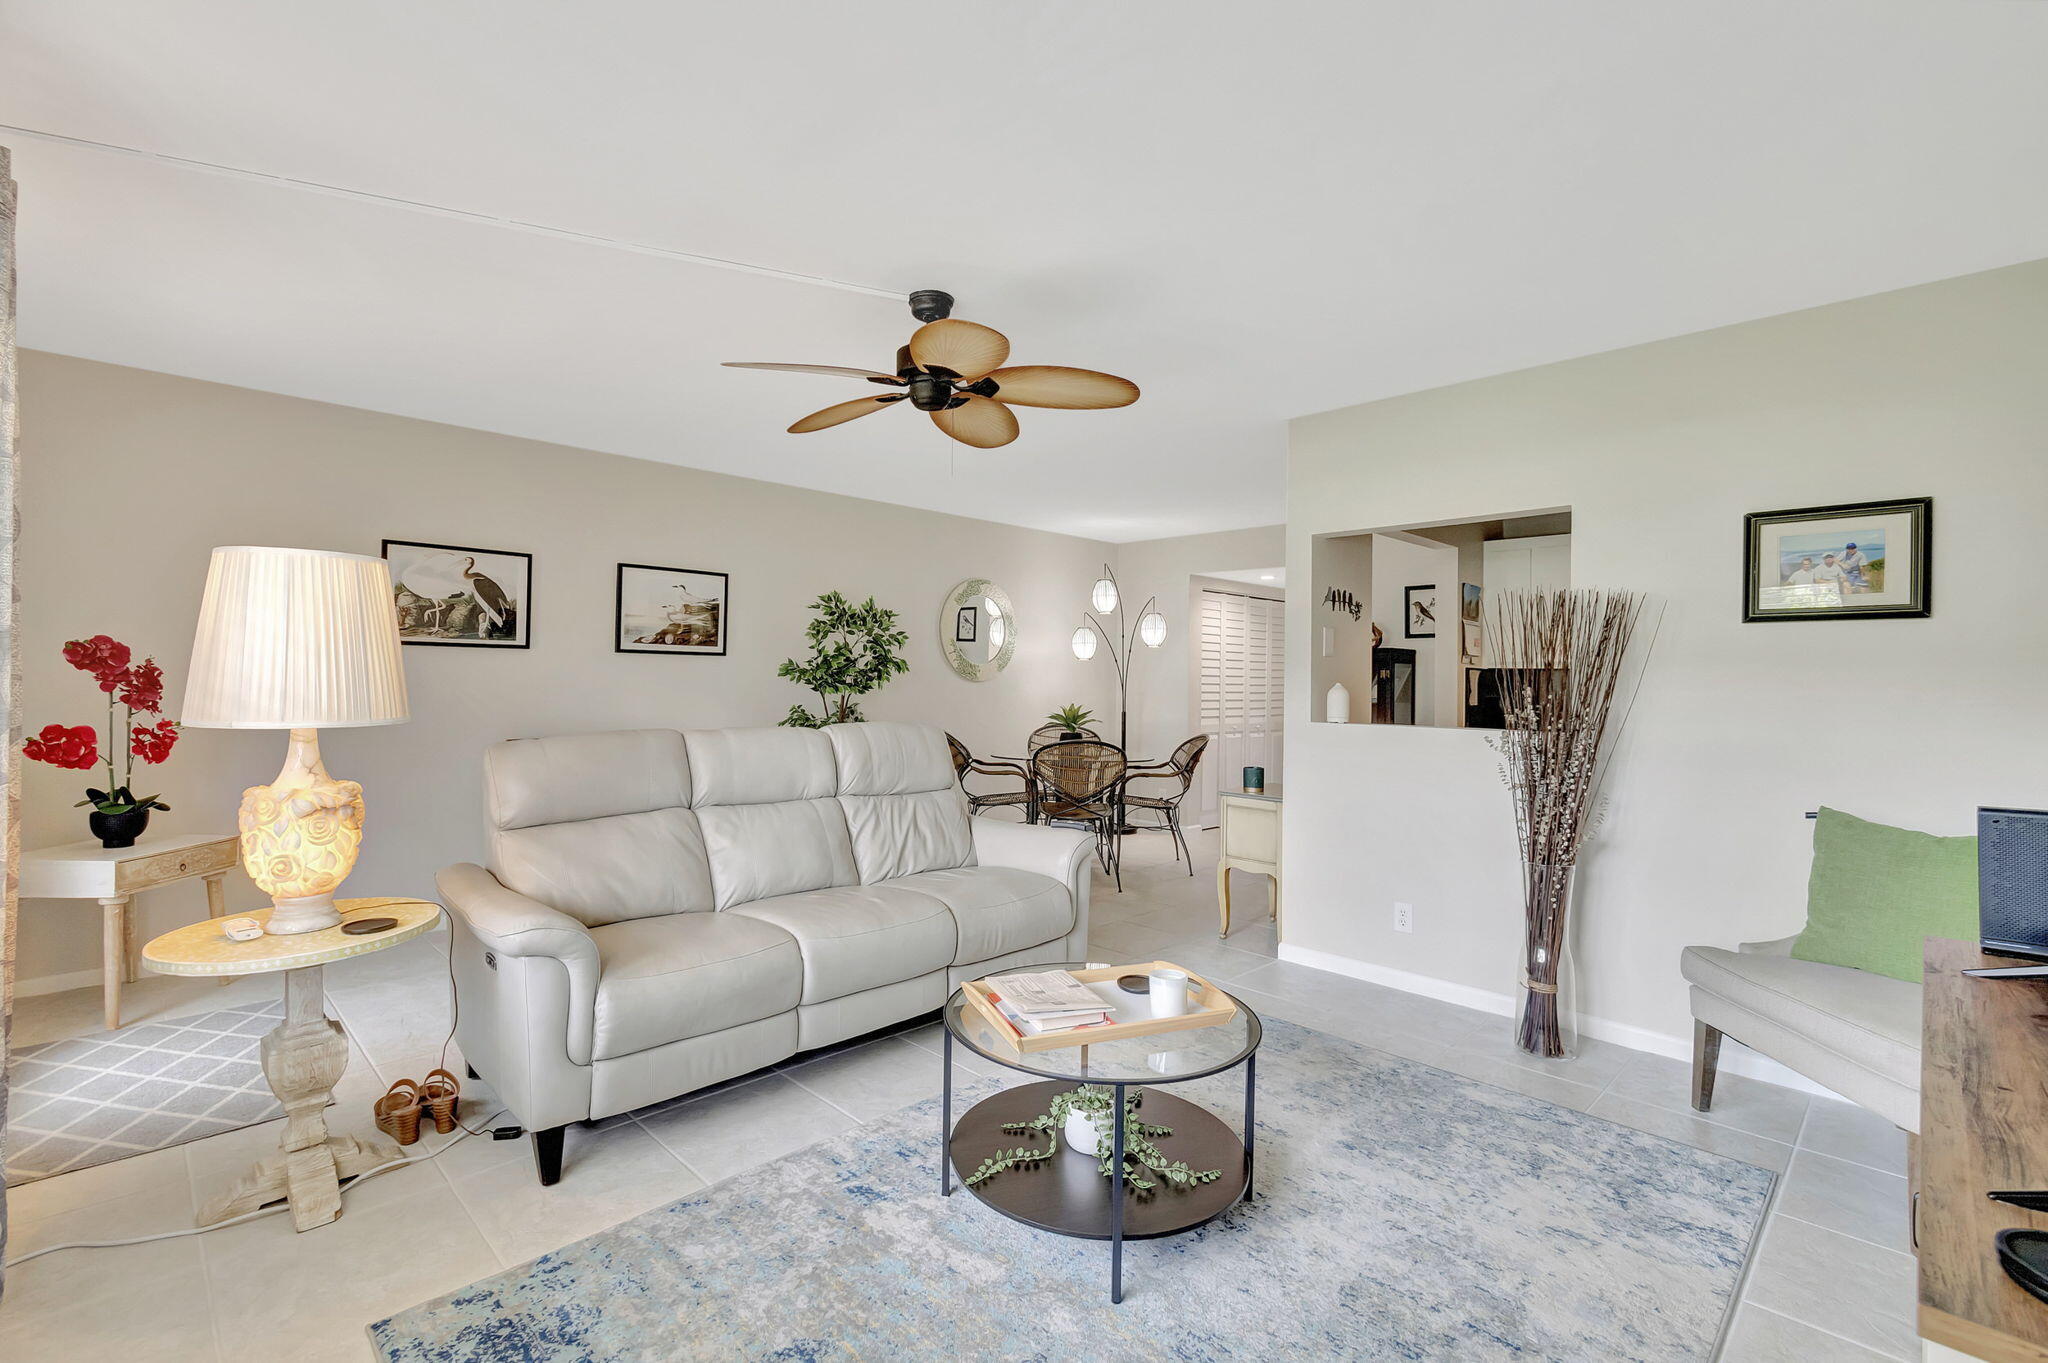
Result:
1080,1132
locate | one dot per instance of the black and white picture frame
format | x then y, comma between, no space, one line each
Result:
456,597
1418,611
1859,560
966,624
670,610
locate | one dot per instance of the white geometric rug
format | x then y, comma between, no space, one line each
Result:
91,1099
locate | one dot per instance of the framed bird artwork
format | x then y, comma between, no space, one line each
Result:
457,597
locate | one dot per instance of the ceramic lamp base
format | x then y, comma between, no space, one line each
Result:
300,835
308,914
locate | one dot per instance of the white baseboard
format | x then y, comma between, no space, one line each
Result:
56,984
1735,1057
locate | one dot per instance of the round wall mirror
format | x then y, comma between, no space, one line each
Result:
978,629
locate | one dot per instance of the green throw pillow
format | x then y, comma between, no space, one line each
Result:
1876,891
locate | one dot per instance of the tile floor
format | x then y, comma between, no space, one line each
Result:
1832,1280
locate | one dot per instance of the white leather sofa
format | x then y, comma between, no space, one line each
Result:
666,910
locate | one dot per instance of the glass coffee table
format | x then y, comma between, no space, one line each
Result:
1068,1195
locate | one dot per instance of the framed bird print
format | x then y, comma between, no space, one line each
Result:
670,610
459,597
1418,616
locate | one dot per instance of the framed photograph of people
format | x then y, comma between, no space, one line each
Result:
670,610
458,597
1860,560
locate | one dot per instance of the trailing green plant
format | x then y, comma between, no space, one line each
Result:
1095,1101
853,653
1070,717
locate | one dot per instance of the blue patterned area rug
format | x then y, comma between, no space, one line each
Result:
1403,1212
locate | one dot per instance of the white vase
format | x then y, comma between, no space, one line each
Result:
1080,1131
1337,705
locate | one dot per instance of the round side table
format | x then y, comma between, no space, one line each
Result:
303,1056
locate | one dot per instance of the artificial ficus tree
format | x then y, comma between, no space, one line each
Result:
853,654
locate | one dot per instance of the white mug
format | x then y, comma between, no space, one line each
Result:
1169,993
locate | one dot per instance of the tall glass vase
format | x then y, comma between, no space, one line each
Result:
1546,1005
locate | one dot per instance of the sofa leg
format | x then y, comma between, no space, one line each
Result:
1706,1056
547,1155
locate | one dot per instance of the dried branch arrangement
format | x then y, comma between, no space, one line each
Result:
1561,655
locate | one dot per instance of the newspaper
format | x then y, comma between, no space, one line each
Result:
1046,993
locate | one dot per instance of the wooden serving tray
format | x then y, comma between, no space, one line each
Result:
1207,1006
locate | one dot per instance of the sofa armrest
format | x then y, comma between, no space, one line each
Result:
1781,946
1064,854
510,924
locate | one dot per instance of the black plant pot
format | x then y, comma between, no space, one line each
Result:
118,830
1070,735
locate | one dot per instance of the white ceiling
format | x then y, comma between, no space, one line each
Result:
1258,577
1253,211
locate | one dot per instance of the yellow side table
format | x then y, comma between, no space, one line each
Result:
303,1056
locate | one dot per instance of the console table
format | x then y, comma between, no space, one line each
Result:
114,876
1983,1125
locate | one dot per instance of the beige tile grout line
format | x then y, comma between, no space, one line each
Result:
1823,1330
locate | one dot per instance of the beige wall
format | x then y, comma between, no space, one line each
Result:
130,477
1659,450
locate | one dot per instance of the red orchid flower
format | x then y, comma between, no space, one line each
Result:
75,749
142,686
106,658
153,742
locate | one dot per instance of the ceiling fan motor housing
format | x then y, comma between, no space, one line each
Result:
931,305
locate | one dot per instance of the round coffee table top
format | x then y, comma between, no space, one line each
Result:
203,949
1162,1058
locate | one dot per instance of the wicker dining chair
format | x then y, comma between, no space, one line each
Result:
966,763
1078,782
1050,733
1179,767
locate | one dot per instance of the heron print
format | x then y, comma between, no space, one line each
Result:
446,594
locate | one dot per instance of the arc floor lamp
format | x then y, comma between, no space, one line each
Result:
1149,629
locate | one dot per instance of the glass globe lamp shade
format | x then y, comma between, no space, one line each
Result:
1084,643
1105,595
1152,629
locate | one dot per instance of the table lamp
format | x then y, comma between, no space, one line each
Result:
298,639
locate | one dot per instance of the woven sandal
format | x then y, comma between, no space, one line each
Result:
398,1112
440,1095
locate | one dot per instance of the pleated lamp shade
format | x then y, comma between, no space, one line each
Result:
295,639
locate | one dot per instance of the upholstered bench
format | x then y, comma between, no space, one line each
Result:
1852,1031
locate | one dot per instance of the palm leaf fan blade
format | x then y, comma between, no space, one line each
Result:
981,422
1053,385
842,412
967,349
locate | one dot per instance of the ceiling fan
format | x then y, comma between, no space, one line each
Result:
953,370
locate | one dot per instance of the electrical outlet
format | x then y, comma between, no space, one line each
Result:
1404,917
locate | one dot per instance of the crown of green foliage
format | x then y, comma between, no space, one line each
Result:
853,653
1071,717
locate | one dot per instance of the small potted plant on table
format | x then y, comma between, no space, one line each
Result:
118,814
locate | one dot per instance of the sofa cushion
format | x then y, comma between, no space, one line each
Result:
601,871
857,937
900,835
529,781
1872,1021
997,909
665,979
891,759
759,766
760,851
